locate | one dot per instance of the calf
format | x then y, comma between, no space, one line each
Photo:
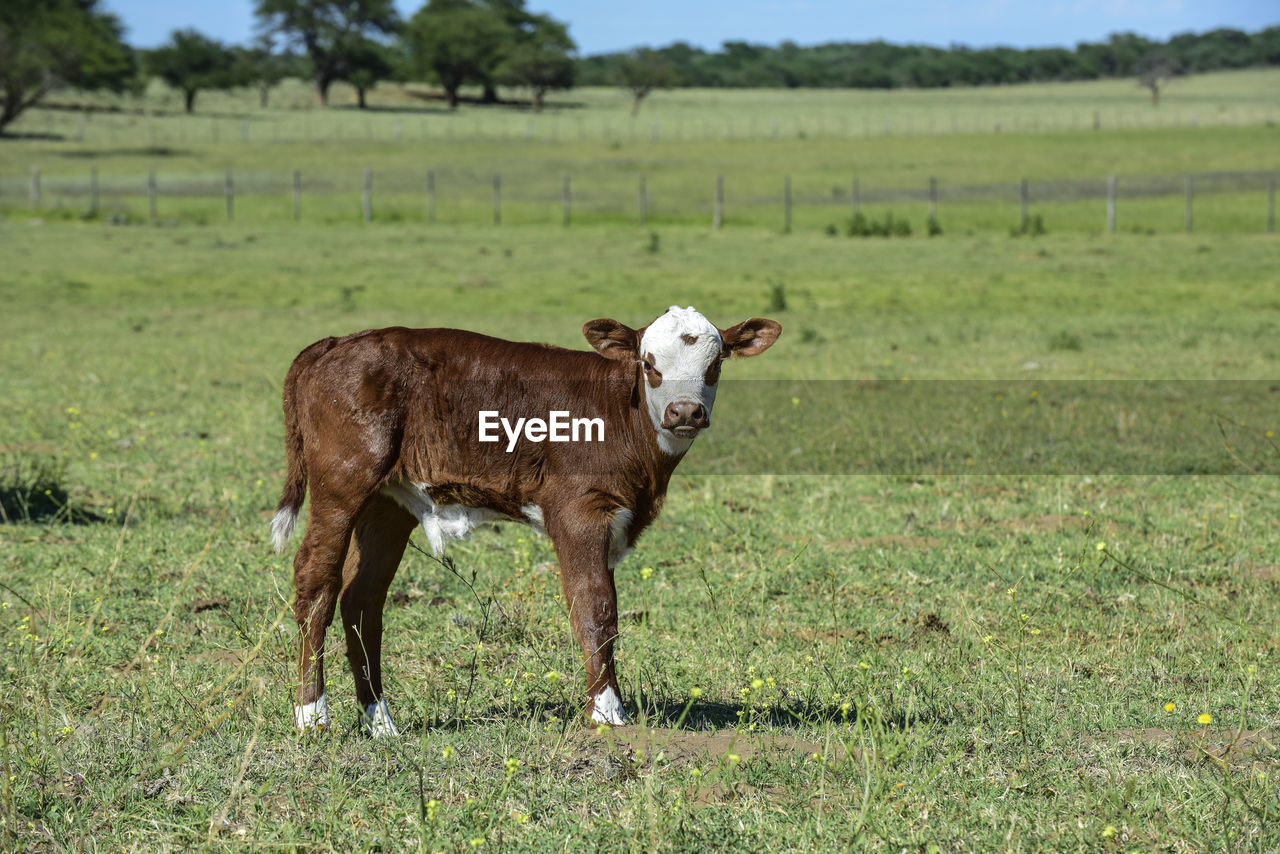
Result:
394,428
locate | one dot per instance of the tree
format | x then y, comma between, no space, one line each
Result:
522,25
640,72
457,42
1153,70
45,44
1266,46
191,62
368,62
541,60
262,68
329,31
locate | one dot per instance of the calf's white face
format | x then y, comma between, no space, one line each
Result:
679,356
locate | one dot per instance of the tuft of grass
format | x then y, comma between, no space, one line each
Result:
33,489
1065,341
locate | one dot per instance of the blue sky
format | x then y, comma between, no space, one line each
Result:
601,25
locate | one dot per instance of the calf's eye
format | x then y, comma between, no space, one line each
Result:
713,373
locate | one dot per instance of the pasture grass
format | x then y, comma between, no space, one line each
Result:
917,661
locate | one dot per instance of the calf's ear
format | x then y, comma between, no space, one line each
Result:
612,339
750,337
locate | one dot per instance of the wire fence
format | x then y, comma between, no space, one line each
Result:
1231,201
681,123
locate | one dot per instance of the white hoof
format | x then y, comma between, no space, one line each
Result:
607,709
376,720
312,716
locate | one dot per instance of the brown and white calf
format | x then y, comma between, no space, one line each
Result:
388,430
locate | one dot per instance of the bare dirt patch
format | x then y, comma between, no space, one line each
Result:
679,748
232,657
1056,522
901,541
1270,572
1227,745
624,751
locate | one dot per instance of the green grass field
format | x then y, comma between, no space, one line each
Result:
818,662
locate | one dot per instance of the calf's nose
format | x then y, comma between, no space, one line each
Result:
685,413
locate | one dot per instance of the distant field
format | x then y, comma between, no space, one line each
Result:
678,146
601,114
884,655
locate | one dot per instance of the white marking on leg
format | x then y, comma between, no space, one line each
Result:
607,709
312,715
618,526
376,720
533,513
282,527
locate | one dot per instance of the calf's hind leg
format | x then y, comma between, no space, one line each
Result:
377,545
317,573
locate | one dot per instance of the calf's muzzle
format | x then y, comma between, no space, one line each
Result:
685,418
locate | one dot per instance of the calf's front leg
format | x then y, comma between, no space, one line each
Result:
581,541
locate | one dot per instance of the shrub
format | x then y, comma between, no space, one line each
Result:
861,226
778,297
1034,227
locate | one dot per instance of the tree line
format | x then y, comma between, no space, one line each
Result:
51,44
48,44
880,65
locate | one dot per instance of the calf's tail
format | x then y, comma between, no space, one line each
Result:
295,479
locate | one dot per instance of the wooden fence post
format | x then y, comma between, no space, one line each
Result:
228,189
35,186
856,196
431,195
717,215
1271,204
1186,218
1111,204
151,192
566,202
93,191
786,205
297,194
497,199
1024,193
368,195
644,202
933,198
